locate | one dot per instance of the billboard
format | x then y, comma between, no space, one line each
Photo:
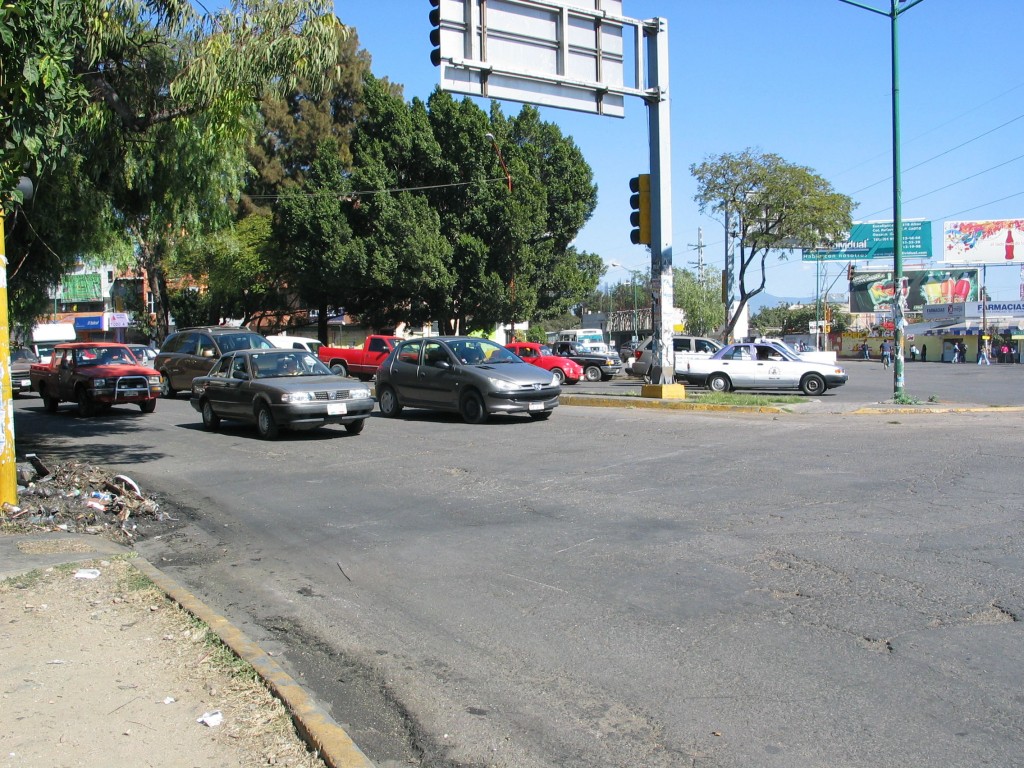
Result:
994,241
557,53
874,240
874,291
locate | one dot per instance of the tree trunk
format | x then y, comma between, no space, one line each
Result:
321,323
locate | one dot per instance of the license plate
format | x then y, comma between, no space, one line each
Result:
536,406
26,383
337,409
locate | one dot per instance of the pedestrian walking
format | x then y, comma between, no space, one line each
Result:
886,353
913,352
865,351
924,353
983,354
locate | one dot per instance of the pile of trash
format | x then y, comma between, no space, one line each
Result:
78,498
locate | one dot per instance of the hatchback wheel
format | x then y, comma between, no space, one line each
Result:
387,398
355,427
559,375
472,408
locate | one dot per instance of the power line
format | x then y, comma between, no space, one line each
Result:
991,202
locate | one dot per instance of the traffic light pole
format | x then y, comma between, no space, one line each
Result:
663,370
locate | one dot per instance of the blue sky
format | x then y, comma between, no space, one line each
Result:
808,80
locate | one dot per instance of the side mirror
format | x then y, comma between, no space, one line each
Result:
207,353
242,375
444,365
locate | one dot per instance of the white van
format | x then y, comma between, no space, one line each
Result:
684,348
295,342
46,335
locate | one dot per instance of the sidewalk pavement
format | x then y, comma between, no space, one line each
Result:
21,554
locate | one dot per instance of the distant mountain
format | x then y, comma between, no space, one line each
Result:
763,300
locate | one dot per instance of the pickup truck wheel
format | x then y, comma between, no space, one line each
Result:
85,404
49,403
364,376
812,385
355,427
472,408
339,369
148,406
387,399
592,373
559,375
719,383
166,390
210,419
265,423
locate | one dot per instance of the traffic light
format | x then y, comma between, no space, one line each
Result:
849,272
640,202
828,319
435,33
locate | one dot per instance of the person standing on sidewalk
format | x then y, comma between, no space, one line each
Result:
886,353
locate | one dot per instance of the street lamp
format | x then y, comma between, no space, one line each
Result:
632,283
893,14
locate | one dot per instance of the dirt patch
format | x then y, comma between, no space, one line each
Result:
107,671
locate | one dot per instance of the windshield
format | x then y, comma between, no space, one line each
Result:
229,342
546,351
103,356
23,354
286,362
482,352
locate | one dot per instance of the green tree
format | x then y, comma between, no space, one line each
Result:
169,109
776,205
313,236
700,297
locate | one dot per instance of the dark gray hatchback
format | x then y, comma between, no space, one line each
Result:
470,376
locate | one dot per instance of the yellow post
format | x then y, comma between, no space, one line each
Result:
8,464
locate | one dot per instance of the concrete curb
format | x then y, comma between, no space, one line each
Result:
313,723
612,401
883,409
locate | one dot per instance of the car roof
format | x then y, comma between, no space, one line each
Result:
218,329
87,344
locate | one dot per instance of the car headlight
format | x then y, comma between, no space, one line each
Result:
359,394
503,385
297,397
154,379
99,383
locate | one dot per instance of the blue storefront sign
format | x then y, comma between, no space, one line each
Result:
874,240
89,323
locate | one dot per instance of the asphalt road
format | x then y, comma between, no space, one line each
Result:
613,587
869,382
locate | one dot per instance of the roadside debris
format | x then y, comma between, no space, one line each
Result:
78,498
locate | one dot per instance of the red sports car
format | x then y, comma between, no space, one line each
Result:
568,371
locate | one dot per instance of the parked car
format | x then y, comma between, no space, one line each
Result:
295,342
762,366
95,375
143,353
565,370
684,349
361,362
192,352
22,359
597,366
470,376
279,389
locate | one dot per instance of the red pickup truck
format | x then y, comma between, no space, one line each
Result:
95,375
361,362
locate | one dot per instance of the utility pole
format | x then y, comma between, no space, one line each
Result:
699,248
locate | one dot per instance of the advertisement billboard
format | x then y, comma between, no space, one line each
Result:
994,241
874,240
874,291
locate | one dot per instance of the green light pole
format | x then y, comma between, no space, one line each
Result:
897,7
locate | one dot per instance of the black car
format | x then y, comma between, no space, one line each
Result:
596,365
279,388
470,376
192,352
21,361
